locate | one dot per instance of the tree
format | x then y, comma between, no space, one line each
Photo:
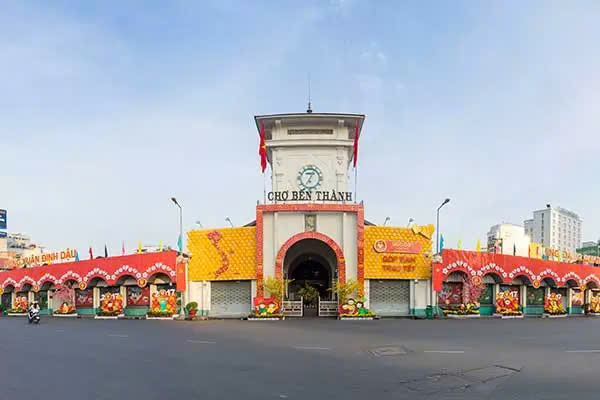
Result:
345,289
471,291
309,294
277,287
66,294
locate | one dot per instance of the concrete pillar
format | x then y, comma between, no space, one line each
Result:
96,297
13,296
123,293
523,296
412,291
206,295
367,294
152,291
30,297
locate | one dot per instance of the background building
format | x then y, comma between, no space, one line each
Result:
509,239
555,227
590,248
16,246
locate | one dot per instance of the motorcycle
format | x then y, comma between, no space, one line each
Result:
34,316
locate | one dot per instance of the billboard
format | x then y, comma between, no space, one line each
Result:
398,253
2,235
2,219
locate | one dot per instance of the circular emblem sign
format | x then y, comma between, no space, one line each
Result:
476,280
36,288
536,284
310,177
82,285
142,282
1,290
380,246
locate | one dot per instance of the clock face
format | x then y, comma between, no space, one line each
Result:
309,178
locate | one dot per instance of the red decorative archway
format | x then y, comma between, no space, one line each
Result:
339,254
508,267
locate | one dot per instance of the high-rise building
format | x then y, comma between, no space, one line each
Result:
508,239
555,227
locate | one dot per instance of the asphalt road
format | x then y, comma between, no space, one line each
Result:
300,359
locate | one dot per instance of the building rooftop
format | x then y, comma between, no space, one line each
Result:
349,119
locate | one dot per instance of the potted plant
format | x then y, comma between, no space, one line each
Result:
192,309
309,294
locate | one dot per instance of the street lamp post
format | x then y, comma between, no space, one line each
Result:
386,220
410,221
437,230
183,294
229,220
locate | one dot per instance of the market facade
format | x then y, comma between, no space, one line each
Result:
311,231
309,242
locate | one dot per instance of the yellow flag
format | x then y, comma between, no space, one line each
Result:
139,247
459,244
161,246
478,246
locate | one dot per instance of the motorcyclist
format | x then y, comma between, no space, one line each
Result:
35,306
34,312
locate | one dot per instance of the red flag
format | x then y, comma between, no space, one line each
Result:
91,254
123,248
262,150
356,135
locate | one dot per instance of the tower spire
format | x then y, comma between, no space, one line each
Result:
309,109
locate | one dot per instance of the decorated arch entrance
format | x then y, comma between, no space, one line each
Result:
314,262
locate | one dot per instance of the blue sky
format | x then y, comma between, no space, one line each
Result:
110,108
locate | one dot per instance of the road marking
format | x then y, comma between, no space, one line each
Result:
445,351
202,341
311,348
582,351
115,335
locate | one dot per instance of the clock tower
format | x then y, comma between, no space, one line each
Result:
310,155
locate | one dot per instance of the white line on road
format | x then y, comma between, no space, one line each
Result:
582,351
311,348
445,351
115,335
202,341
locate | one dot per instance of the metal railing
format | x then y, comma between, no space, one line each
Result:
293,308
328,308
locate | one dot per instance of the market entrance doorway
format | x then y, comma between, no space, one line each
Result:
312,266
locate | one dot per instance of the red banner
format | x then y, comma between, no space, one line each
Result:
181,277
397,246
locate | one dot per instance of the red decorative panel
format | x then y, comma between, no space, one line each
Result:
109,269
507,268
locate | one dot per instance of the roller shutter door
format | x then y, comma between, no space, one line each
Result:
230,299
389,297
